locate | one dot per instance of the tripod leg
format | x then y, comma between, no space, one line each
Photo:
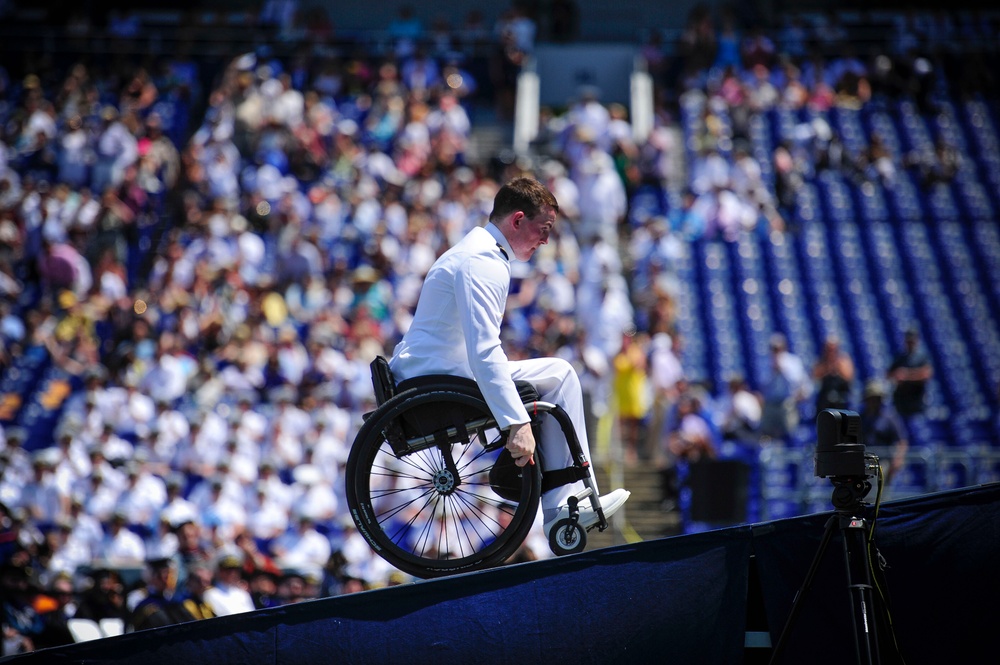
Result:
859,584
803,590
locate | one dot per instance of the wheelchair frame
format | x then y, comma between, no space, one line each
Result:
405,420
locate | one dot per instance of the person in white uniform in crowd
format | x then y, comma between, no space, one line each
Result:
229,595
456,331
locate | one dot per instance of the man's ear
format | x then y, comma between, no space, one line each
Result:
515,220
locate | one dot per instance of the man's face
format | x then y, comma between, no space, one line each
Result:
872,404
264,584
163,578
228,575
63,592
530,233
199,580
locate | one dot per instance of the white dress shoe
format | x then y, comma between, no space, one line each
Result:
610,503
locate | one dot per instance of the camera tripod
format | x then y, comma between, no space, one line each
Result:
848,495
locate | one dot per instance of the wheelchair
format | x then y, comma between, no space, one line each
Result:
434,491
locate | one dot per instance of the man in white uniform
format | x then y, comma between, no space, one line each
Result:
456,331
229,594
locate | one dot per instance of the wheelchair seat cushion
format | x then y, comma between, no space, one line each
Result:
527,392
429,420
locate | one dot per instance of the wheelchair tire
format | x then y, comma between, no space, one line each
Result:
415,512
567,537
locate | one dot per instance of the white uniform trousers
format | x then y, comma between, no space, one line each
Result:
557,383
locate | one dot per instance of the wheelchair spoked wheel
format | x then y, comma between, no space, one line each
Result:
429,515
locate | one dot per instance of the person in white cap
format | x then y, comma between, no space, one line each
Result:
883,427
229,595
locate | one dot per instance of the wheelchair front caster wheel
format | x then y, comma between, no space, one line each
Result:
567,537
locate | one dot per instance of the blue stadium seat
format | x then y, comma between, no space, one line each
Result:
647,201
726,355
905,200
880,122
783,469
781,505
868,344
988,466
974,200
762,146
690,323
847,122
788,295
941,202
819,280
979,323
782,125
916,476
913,127
946,125
835,196
871,201
984,240
755,306
953,469
807,204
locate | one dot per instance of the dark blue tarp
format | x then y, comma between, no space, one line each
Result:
941,579
675,600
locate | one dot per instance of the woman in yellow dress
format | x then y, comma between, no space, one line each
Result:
630,392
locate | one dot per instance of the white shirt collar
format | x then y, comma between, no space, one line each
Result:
501,240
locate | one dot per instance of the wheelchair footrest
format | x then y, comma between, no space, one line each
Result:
595,502
573,503
581,495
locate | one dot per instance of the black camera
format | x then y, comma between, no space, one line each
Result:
841,457
839,450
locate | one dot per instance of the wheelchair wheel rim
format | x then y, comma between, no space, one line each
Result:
417,515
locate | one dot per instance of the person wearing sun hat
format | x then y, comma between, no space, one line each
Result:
158,604
883,427
228,595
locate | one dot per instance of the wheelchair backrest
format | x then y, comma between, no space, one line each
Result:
382,380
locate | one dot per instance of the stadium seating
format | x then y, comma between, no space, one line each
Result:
754,300
722,322
862,260
866,261
788,295
690,322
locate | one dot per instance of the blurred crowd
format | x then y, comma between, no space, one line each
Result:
212,290
213,287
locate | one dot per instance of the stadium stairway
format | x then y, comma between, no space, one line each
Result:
643,517
490,135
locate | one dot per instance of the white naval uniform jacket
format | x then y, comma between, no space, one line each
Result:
456,327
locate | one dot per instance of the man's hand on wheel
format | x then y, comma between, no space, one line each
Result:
521,444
